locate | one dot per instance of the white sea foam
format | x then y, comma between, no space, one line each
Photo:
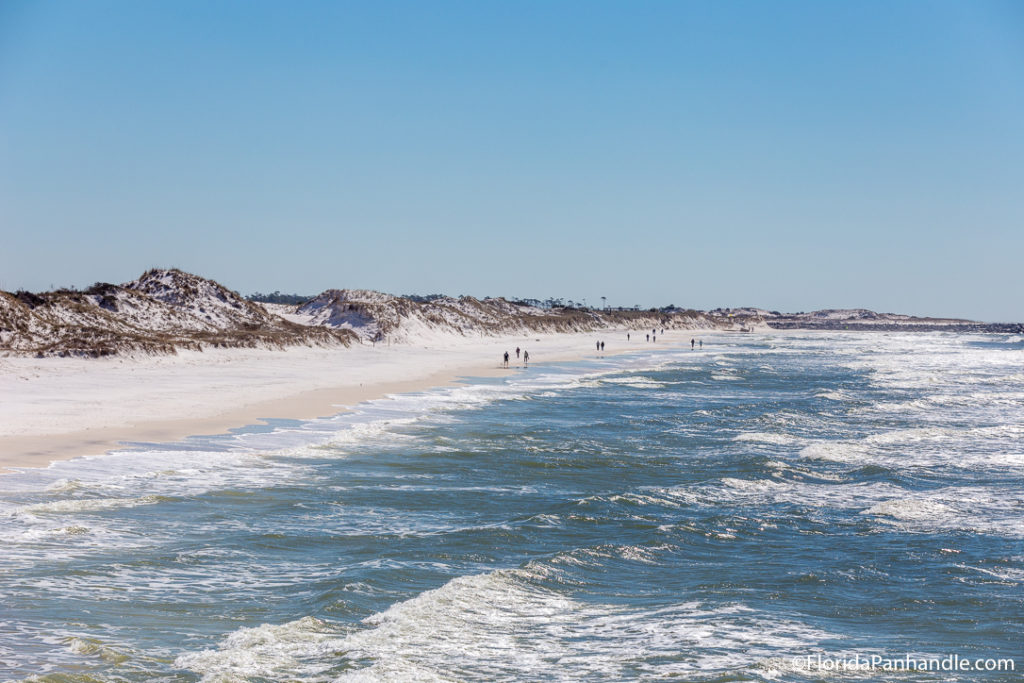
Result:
976,509
834,496
834,395
913,509
502,625
767,437
303,648
594,557
836,451
989,446
634,382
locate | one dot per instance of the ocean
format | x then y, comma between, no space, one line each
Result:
784,507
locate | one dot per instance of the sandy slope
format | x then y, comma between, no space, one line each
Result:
60,408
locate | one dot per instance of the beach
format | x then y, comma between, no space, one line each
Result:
60,408
758,509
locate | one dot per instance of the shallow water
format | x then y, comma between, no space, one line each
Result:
712,515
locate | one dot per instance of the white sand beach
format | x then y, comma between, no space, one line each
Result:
61,408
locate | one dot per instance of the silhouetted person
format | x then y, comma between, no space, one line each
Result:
700,344
517,352
506,359
526,357
691,344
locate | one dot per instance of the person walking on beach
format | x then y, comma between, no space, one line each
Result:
627,336
517,353
691,344
506,359
648,337
700,344
598,344
526,357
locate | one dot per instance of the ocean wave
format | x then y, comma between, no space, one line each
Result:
722,377
600,555
974,509
833,395
634,382
91,647
298,649
1010,575
76,505
64,486
502,625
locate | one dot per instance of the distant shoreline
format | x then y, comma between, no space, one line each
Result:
172,354
61,408
167,311
964,327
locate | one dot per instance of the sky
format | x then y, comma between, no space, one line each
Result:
788,155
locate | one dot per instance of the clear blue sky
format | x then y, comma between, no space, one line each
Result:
790,155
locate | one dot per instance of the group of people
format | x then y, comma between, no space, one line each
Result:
652,336
526,357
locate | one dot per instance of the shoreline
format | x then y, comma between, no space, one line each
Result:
41,450
60,409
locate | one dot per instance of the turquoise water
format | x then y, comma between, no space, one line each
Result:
715,515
